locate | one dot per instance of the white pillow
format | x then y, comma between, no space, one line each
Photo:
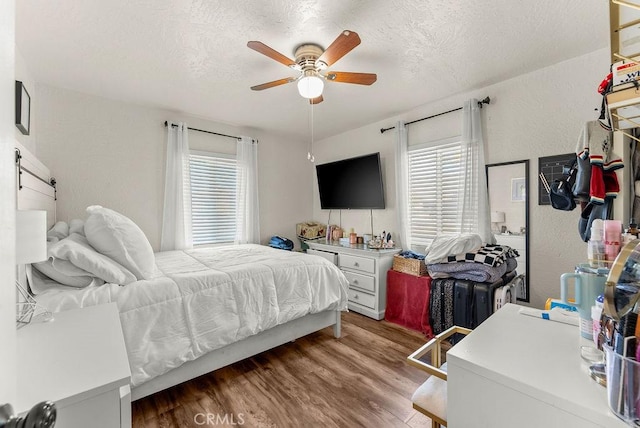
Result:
40,283
76,226
57,274
451,245
119,238
59,230
79,253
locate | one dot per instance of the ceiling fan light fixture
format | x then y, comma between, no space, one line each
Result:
310,86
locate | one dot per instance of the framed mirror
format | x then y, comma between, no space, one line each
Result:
508,188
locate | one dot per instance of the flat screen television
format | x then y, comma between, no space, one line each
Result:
354,183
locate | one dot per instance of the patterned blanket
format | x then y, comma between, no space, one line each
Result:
490,255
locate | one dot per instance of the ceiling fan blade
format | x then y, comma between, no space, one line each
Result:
346,77
271,53
346,41
274,83
316,100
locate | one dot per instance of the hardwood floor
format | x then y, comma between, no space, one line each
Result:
361,379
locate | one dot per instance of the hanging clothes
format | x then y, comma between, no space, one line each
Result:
596,143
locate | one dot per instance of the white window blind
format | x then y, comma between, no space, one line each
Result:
213,197
434,186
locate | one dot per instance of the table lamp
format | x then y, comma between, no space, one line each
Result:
497,217
31,247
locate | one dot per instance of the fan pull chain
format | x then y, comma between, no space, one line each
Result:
310,155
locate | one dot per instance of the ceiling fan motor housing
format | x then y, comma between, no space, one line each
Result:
306,56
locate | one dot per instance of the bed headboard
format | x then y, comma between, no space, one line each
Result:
34,188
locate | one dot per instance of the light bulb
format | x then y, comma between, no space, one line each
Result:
310,86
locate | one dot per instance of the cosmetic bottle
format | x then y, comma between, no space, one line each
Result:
633,228
612,237
596,314
353,237
596,246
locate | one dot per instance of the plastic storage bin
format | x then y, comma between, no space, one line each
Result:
623,386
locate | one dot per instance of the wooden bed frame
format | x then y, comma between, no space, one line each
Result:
36,194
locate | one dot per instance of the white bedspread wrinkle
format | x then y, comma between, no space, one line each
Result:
204,299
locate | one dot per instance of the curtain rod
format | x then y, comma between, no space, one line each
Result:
487,100
207,132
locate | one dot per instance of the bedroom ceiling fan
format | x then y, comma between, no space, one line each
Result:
312,61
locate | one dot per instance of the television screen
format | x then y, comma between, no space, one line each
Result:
354,183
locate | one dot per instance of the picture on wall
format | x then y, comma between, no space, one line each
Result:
23,108
518,189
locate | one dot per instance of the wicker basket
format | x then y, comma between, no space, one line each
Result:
411,266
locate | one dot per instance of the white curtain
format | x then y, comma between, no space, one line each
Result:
176,213
402,187
247,209
473,198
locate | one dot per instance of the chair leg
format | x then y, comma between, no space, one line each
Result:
434,424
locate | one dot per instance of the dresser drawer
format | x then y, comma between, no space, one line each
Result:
357,263
362,298
332,257
361,281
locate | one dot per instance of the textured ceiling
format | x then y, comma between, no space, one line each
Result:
191,55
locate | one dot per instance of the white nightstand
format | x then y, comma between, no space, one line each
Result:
79,361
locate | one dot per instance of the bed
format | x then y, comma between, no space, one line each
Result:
202,309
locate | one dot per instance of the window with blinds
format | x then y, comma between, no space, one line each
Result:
213,197
434,186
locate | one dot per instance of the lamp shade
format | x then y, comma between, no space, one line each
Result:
310,86
497,217
31,236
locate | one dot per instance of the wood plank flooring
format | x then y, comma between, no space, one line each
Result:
361,379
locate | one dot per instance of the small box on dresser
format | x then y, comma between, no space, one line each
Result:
79,361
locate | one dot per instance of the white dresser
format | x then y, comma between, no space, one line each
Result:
79,361
365,268
519,371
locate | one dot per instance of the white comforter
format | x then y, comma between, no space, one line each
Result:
205,299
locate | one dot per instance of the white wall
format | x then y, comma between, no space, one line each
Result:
533,115
8,373
113,154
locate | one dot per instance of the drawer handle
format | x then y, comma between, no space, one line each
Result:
356,264
355,281
355,296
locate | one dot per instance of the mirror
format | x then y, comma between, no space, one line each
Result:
508,188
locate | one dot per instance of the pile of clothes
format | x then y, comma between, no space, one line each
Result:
466,257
